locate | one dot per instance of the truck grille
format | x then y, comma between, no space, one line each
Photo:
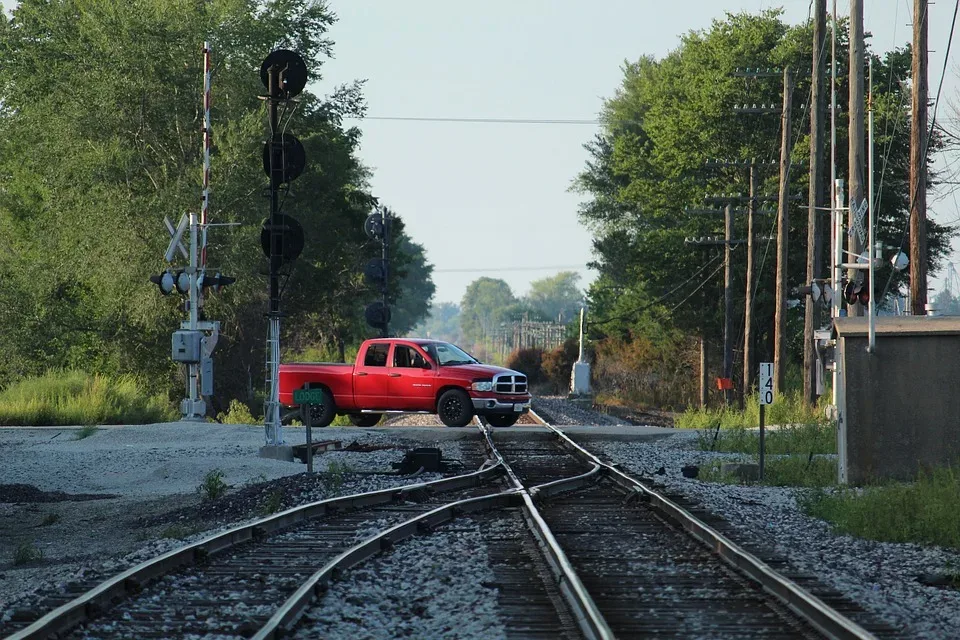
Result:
510,384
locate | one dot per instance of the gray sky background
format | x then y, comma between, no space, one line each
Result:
491,198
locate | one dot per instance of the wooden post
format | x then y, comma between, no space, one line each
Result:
918,163
856,137
728,301
783,238
748,300
703,370
811,318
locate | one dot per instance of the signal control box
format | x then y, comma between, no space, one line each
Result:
186,346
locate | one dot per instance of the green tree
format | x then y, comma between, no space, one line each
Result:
556,297
665,121
484,306
91,162
442,323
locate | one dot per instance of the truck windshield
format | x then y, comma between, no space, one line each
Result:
446,354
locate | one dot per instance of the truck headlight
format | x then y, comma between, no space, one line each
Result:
482,386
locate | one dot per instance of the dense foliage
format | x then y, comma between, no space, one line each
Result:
100,139
666,120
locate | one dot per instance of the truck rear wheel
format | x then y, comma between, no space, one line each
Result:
503,419
365,419
455,408
321,415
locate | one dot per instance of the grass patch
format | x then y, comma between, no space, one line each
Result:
926,511
85,432
782,471
213,485
178,532
238,413
809,438
336,474
26,553
273,503
75,397
787,409
51,518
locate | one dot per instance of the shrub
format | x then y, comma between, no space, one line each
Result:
78,398
238,413
27,552
213,485
558,364
529,362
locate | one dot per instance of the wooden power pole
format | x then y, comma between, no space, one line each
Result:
783,237
918,163
857,146
728,301
811,319
748,301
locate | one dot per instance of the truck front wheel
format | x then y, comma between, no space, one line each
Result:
455,408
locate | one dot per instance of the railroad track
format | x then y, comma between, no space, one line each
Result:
601,556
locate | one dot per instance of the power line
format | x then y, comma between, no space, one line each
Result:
485,120
489,269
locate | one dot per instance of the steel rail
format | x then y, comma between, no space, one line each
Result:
591,622
290,611
824,618
69,615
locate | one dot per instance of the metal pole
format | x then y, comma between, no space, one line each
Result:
871,240
762,444
207,141
385,254
271,415
580,358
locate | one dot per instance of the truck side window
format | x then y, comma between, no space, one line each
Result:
404,356
376,355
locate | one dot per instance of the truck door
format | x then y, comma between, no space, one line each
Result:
412,379
370,379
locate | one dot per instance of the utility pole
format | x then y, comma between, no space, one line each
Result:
783,237
748,300
728,302
918,163
811,318
856,137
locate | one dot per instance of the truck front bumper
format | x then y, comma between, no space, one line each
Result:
486,406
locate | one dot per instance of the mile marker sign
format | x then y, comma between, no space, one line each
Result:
766,383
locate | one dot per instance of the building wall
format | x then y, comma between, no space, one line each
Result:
903,405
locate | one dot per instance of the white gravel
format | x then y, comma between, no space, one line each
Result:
564,412
881,577
426,587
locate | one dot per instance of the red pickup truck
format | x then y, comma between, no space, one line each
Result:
400,375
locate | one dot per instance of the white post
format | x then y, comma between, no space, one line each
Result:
871,241
580,359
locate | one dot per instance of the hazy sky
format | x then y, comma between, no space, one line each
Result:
491,198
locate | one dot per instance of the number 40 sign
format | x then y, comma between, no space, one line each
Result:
766,383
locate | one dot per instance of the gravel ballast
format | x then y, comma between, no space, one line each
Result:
433,586
156,471
881,577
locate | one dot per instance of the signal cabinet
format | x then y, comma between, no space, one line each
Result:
186,346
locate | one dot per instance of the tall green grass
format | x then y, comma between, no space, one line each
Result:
787,409
792,438
78,398
926,511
